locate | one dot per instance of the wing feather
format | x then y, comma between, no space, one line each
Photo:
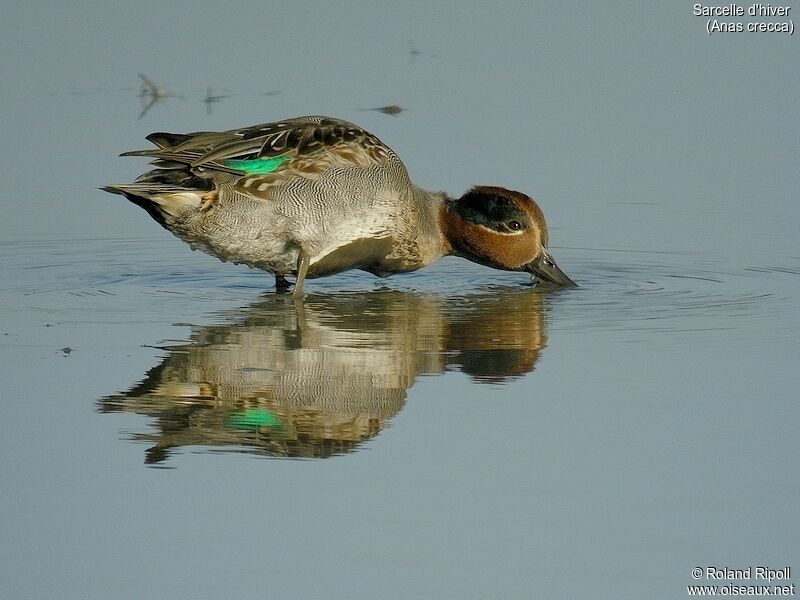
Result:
310,145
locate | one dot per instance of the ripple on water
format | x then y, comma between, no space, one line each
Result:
620,290
677,292
74,279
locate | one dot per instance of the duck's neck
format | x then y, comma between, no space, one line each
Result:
432,207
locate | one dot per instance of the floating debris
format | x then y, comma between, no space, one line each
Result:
211,99
66,350
391,109
413,52
150,94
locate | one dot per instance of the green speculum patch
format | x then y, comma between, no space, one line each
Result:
256,165
254,418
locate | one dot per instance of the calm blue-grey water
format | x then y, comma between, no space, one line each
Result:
171,429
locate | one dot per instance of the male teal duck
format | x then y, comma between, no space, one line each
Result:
313,196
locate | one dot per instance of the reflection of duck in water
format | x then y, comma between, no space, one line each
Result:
314,196
318,379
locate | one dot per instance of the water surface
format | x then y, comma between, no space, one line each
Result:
172,428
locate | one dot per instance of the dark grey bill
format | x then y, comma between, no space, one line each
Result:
546,270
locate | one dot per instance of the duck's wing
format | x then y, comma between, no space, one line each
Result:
272,153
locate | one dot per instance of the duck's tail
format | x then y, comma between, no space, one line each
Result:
166,194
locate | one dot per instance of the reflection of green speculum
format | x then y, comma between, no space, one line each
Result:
254,418
256,165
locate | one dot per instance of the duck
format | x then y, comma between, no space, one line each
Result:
314,196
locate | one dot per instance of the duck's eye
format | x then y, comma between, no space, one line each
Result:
514,225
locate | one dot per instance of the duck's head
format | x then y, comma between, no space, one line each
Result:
503,229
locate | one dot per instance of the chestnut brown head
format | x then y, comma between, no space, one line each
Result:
502,229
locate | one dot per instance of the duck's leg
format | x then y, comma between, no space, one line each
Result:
302,268
281,283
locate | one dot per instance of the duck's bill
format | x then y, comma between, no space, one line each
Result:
546,270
